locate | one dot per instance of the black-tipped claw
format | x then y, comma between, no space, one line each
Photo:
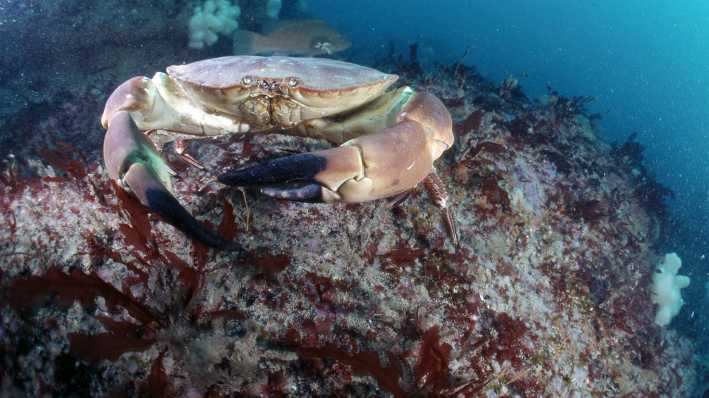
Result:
133,160
152,194
300,167
302,192
164,204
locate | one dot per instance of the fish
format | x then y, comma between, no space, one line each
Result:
298,37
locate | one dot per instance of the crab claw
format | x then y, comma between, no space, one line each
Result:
385,163
132,160
366,168
306,177
378,165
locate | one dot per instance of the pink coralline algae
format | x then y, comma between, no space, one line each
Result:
546,295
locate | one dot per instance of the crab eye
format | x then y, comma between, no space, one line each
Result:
247,80
292,82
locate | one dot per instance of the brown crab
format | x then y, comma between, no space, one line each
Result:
388,139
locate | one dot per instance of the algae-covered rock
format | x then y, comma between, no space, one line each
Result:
545,296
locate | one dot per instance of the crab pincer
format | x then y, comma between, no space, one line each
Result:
134,163
382,164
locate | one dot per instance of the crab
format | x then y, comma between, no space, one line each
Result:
388,139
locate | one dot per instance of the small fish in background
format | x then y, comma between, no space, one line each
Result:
303,37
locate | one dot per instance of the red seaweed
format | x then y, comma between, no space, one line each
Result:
472,122
432,364
275,385
270,263
75,286
99,252
155,385
362,363
403,255
495,194
190,278
590,210
508,344
227,228
135,238
137,213
487,146
61,159
122,337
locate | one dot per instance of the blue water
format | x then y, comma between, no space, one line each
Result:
645,61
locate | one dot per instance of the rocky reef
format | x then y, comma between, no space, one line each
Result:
547,294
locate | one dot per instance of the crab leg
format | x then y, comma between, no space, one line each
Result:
386,162
181,150
133,161
437,192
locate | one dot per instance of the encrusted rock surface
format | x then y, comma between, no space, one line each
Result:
547,294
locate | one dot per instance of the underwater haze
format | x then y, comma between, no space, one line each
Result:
646,63
316,198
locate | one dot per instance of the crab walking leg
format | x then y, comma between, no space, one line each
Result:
132,160
181,150
383,163
437,192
